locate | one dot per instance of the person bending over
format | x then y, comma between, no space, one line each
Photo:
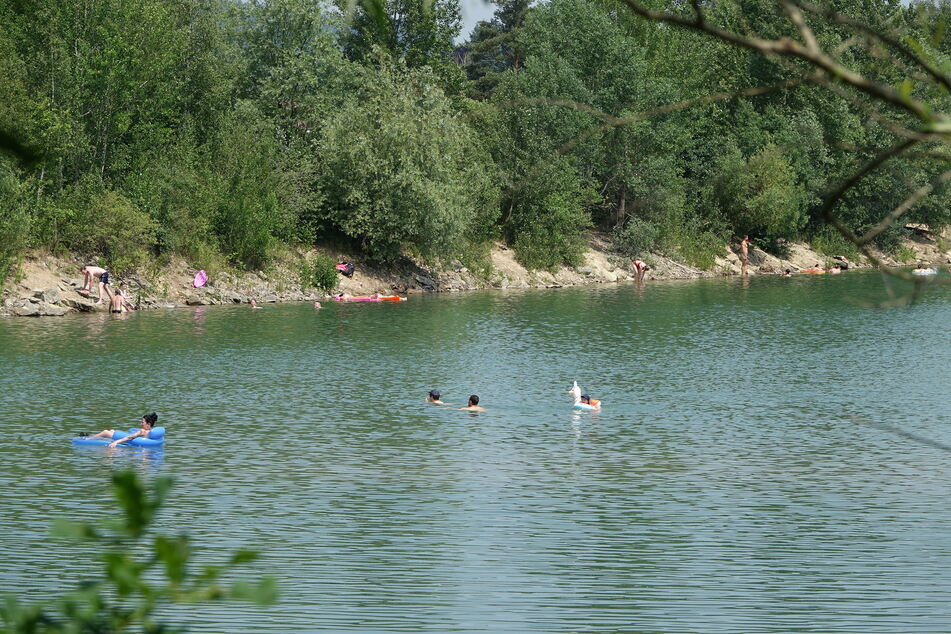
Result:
147,423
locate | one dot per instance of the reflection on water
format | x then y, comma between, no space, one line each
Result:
730,483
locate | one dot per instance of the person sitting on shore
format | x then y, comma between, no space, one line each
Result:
473,405
434,396
147,423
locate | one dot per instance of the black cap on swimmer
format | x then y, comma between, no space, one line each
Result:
586,397
434,394
151,419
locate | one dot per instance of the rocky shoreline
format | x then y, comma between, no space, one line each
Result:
47,286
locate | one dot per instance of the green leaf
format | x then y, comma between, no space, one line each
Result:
74,530
264,592
243,556
905,88
174,553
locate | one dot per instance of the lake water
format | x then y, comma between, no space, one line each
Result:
772,456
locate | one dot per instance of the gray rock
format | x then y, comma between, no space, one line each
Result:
269,299
425,281
39,310
585,270
50,295
79,303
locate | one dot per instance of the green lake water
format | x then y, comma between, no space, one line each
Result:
771,457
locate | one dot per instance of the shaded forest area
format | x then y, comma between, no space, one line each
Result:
225,131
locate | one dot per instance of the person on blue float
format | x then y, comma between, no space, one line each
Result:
434,397
147,423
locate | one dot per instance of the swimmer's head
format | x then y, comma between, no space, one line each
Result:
473,400
151,419
585,398
434,395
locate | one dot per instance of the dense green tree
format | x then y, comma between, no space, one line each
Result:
400,168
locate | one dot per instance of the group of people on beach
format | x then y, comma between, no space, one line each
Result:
118,298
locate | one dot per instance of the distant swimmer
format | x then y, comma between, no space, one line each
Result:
582,401
434,396
254,304
147,423
317,305
473,405
593,402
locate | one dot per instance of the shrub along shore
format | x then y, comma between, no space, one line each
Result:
45,285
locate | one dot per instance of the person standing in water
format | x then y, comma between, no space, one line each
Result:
744,254
640,268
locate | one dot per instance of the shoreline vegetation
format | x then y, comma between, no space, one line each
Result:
559,142
45,285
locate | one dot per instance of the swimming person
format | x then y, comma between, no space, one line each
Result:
433,397
593,402
582,399
148,422
473,405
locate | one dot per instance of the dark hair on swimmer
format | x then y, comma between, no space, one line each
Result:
434,394
585,397
151,419
473,400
